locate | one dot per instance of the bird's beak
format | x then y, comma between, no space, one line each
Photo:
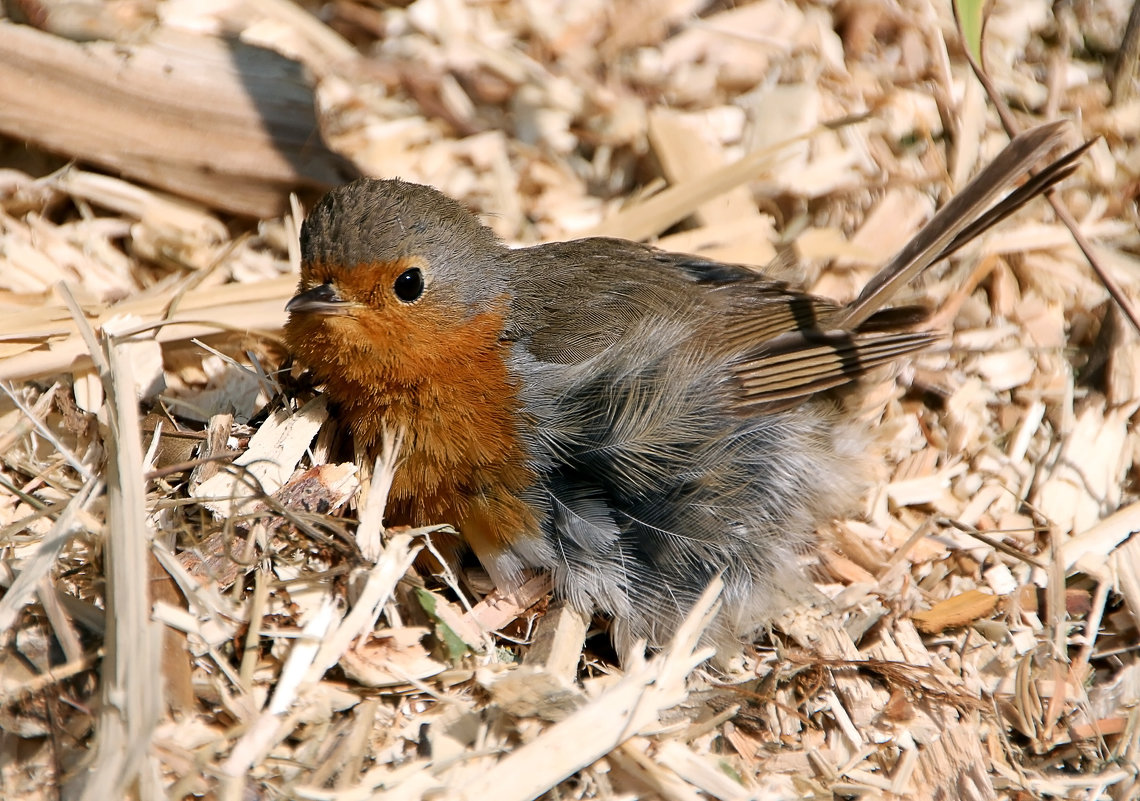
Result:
322,299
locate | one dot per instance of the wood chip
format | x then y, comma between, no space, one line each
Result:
154,114
957,611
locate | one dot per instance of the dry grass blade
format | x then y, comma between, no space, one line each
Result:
1126,70
56,346
37,566
368,533
665,209
131,670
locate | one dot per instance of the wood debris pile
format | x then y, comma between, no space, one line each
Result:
201,602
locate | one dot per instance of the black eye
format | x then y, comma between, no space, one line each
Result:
409,285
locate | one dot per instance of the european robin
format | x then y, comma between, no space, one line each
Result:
634,421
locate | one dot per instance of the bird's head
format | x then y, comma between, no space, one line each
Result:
397,279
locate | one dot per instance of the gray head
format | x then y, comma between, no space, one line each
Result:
368,223
397,281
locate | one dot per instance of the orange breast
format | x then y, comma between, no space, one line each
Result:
464,462
446,384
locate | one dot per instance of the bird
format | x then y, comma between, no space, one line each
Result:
635,422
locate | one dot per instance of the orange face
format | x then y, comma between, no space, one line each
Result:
368,324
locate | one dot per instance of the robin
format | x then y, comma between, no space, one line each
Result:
634,421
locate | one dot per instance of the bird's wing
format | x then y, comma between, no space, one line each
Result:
576,300
774,341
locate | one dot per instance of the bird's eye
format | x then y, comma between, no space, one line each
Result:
409,285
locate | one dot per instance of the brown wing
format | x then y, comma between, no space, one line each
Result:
773,340
574,300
